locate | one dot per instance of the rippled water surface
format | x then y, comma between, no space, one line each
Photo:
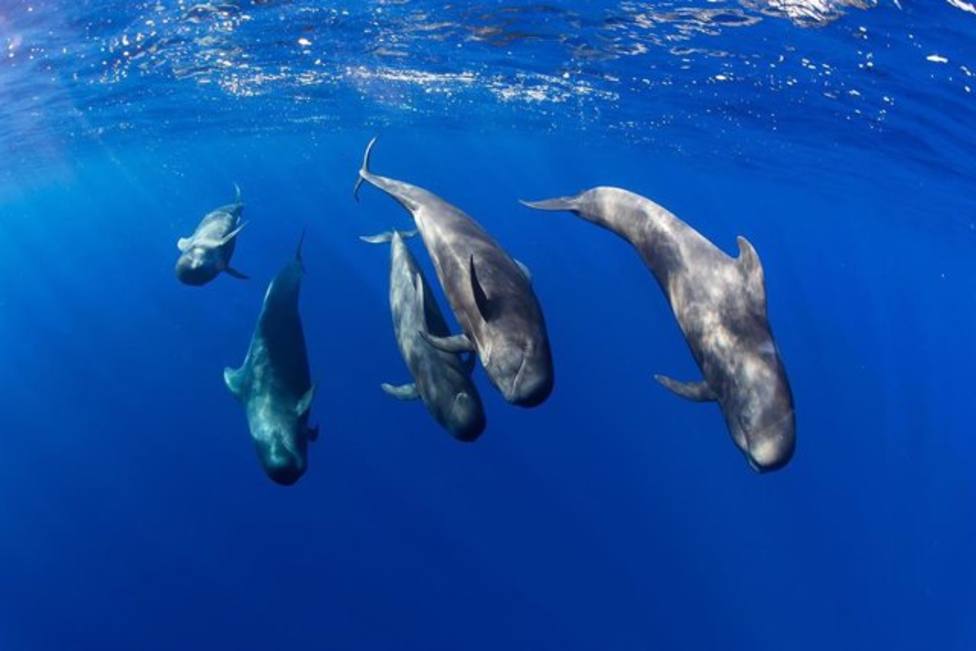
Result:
891,76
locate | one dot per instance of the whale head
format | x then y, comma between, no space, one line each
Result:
760,413
280,435
196,266
283,455
524,375
465,418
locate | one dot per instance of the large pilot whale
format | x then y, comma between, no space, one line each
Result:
441,380
274,383
720,305
208,250
490,293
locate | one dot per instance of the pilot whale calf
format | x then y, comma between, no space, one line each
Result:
207,252
490,293
720,306
441,380
274,383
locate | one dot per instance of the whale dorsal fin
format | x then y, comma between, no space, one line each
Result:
480,297
748,261
234,379
525,270
752,270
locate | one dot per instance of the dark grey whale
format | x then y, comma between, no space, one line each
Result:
207,252
441,380
720,305
274,383
490,293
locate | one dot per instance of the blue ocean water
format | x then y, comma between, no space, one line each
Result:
837,136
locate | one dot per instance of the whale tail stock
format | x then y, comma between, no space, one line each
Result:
364,169
403,193
386,236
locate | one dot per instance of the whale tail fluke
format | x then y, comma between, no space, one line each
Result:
364,169
560,203
386,236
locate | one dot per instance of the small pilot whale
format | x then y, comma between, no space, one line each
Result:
441,380
720,305
207,252
490,293
274,382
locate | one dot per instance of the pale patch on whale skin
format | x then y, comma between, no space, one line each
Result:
720,305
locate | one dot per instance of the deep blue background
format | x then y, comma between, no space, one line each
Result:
615,516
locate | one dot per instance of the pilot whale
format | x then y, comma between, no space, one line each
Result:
490,293
441,380
720,306
207,252
274,383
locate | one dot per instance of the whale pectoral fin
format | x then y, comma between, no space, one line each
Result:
305,403
231,271
480,297
525,270
379,238
234,379
184,244
230,236
697,391
402,392
453,344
